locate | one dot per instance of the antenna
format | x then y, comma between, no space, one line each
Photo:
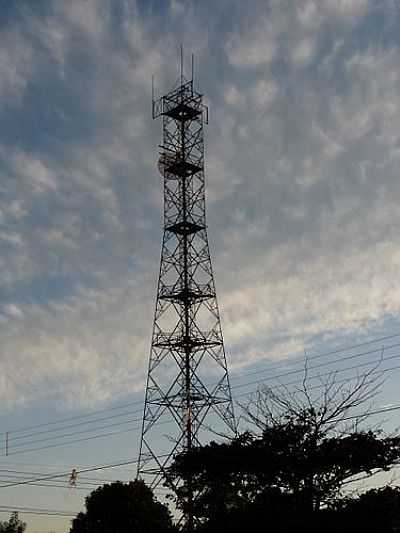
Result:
152,95
187,345
181,64
192,68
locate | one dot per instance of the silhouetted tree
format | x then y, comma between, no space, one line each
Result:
13,525
289,473
375,510
121,508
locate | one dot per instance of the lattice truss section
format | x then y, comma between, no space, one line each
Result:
188,393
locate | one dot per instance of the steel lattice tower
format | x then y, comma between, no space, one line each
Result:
188,386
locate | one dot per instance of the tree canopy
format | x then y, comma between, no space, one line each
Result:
290,473
13,525
284,470
122,507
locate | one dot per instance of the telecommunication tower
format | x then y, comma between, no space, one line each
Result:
188,394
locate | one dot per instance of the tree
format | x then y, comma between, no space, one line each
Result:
290,470
13,525
375,510
122,507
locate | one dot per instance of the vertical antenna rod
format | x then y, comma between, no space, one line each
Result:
181,64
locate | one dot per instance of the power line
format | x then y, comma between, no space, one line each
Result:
284,362
19,437
65,435
258,382
374,412
317,376
319,386
273,366
16,473
321,365
62,420
246,384
68,487
75,441
35,510
84,470
31,464
291,372
168,421
61,483
124,463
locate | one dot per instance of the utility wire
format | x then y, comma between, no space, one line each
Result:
61,486
76,424
273,366
23,473
75,441
77,417
65,435
284,374
318,376
124,463
81,471
352,417
21,446
162,422
288,361
52,483
320,365
247,393
34,510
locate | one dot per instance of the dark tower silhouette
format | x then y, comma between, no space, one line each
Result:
188,394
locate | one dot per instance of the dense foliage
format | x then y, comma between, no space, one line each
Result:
286,475
13,525
290,474
122,507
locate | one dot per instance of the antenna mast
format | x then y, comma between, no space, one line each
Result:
188,393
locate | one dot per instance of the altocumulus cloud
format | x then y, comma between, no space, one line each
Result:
302,152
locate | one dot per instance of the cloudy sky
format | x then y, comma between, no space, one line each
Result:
302,159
